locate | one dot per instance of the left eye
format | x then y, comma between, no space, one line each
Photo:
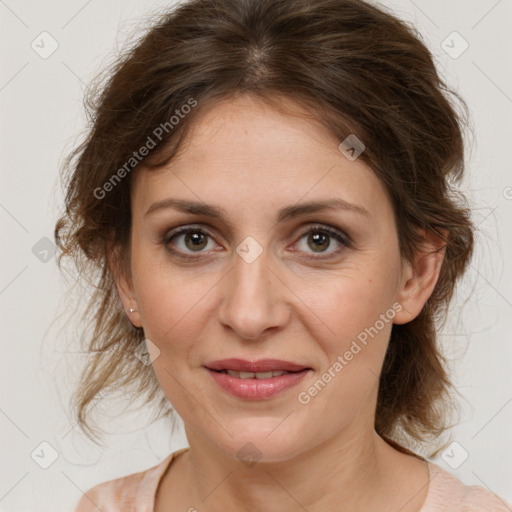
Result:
319,239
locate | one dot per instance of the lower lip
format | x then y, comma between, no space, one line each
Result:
257,389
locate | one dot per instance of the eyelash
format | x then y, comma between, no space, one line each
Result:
337,235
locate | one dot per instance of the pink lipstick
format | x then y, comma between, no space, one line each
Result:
256,380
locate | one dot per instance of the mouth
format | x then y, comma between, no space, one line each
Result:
256,380
253,375
261,366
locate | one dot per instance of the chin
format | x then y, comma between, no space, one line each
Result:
260,441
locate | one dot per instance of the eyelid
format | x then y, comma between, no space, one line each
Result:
329,229
183,230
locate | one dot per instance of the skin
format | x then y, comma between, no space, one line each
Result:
250,160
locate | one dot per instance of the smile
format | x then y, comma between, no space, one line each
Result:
253,375
256,385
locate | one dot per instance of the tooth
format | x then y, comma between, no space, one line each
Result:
255,375
263,375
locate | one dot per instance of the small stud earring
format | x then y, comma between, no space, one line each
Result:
131,310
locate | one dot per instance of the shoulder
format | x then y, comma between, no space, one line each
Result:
135,492
448,493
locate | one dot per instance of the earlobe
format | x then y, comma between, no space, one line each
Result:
124,284
420,276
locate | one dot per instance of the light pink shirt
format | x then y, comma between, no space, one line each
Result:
136,493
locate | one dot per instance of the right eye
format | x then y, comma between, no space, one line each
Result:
193,240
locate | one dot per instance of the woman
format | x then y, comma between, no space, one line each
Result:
267,193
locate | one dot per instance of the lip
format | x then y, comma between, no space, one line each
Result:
263,365
256,389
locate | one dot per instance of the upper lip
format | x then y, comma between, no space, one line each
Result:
263,365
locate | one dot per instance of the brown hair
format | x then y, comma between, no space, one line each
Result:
355,68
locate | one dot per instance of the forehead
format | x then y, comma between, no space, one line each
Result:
243,151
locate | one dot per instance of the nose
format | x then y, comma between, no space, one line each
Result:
254,299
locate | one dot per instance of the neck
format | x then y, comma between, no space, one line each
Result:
356,471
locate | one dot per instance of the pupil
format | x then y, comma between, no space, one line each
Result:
319,237
196,239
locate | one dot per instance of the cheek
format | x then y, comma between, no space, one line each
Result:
356,321
346,304
174,304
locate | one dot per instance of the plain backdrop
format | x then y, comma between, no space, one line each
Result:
41,118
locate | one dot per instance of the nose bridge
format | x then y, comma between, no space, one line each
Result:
252,301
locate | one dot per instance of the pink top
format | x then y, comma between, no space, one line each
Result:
136,493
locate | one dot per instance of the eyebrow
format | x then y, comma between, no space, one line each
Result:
286,213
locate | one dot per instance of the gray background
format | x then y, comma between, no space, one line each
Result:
41,117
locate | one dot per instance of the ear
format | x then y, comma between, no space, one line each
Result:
121,273
419,277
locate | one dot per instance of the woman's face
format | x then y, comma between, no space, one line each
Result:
274,278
